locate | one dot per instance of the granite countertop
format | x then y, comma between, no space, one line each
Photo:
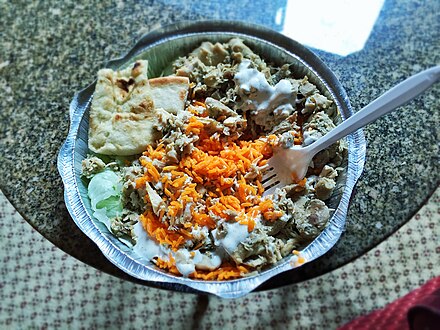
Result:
50,50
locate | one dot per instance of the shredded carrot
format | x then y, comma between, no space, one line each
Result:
217,171
204,220
300,259
170,168
169,265
160,232
224,272
302,183
140,182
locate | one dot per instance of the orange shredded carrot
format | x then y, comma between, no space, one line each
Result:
140,182
168,265
225,272
170,168
160,232
214,171
153,172
302,183
204,220
300,260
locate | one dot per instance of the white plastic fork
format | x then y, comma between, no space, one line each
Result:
289,164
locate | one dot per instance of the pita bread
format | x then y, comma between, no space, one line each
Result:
123,114
169,93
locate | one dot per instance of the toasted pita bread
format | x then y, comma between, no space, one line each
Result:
123,114
169,93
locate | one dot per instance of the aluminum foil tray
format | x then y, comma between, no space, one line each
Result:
161,47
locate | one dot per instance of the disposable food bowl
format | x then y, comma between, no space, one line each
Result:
161,47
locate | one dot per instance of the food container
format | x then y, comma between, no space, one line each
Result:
161,47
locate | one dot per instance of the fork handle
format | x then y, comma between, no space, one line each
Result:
390,100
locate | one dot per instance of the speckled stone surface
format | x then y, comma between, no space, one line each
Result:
50,50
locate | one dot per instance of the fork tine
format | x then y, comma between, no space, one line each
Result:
268,176
272,180
272,189
268,173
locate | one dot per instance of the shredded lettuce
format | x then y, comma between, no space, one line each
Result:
105,190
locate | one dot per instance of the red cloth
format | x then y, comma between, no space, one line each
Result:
419,309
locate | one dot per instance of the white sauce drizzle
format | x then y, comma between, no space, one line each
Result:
186,264
205,262
235,234
260,97
145,246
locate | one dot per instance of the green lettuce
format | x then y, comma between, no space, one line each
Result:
105,190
